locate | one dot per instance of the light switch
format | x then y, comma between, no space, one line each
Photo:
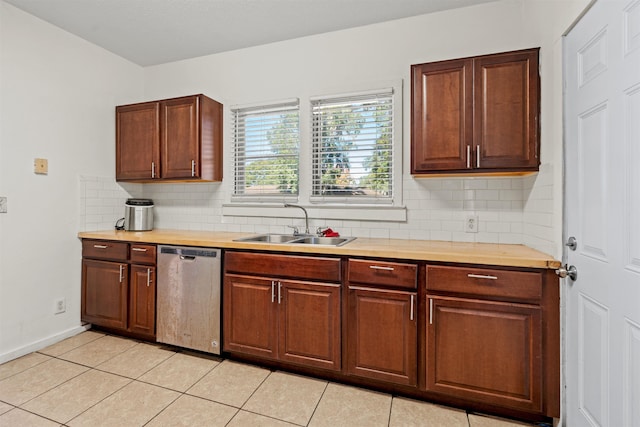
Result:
3,205
41,166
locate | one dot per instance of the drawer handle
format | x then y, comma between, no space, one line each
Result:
139,249
482,276
100,246
379,267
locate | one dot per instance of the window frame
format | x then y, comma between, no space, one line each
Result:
396,147
281,106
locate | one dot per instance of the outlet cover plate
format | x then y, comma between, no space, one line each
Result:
3,205
471,224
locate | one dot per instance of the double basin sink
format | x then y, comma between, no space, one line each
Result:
301,239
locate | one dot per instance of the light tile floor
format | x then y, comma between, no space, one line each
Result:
94,379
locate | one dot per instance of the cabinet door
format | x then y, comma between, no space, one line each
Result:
138,141
104,293
180,138
442,125
249,314
485,351
142,300
309,332
382,335
506,110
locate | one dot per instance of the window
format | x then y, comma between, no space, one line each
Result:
353,139
266,150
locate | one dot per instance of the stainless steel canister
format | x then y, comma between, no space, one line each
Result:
138,215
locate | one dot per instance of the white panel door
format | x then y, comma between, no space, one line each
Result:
602,212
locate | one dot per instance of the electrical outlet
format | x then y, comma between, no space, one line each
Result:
61,306
471,224
3,205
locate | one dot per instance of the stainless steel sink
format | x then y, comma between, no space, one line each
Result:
297,239
315,240
269,238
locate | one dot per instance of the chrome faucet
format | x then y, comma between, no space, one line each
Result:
306,216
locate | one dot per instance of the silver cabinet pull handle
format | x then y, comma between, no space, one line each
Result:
148,276
193,168
279,292
411,317
468,157
100,246
273,291
139,249
153,169
121,272
482,276
380,267
430,311
477,156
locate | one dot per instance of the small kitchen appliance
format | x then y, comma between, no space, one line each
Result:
138,215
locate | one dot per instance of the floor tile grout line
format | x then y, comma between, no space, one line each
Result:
26,369
390,411
256,389
163,409
266,416
318,402
52,388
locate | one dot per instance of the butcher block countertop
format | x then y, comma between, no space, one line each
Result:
420,250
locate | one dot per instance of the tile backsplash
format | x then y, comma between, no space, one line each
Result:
509,209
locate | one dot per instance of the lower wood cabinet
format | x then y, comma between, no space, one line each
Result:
382,337
104,293
119,286
277,318
485,351
142,299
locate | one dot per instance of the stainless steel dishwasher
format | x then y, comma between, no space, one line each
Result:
188,297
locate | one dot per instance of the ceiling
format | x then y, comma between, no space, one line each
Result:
150,32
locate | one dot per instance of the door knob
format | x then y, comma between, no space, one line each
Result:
572,243
570,271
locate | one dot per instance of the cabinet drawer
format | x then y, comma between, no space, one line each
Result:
105,249
299,267
142,254
383,273
507,284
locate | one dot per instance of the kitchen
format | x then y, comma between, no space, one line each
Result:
58,95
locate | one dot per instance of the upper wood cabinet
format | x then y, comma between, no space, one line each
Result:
476,115
178,139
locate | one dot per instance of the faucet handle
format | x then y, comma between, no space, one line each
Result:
295,229
321,230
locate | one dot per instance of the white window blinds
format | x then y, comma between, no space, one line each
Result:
353,147
266,149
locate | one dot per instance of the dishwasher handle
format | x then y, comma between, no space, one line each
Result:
187,257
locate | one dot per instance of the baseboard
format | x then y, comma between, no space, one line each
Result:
35,346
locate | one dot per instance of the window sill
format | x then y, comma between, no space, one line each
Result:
342,212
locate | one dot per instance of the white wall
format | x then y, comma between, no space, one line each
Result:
57,101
